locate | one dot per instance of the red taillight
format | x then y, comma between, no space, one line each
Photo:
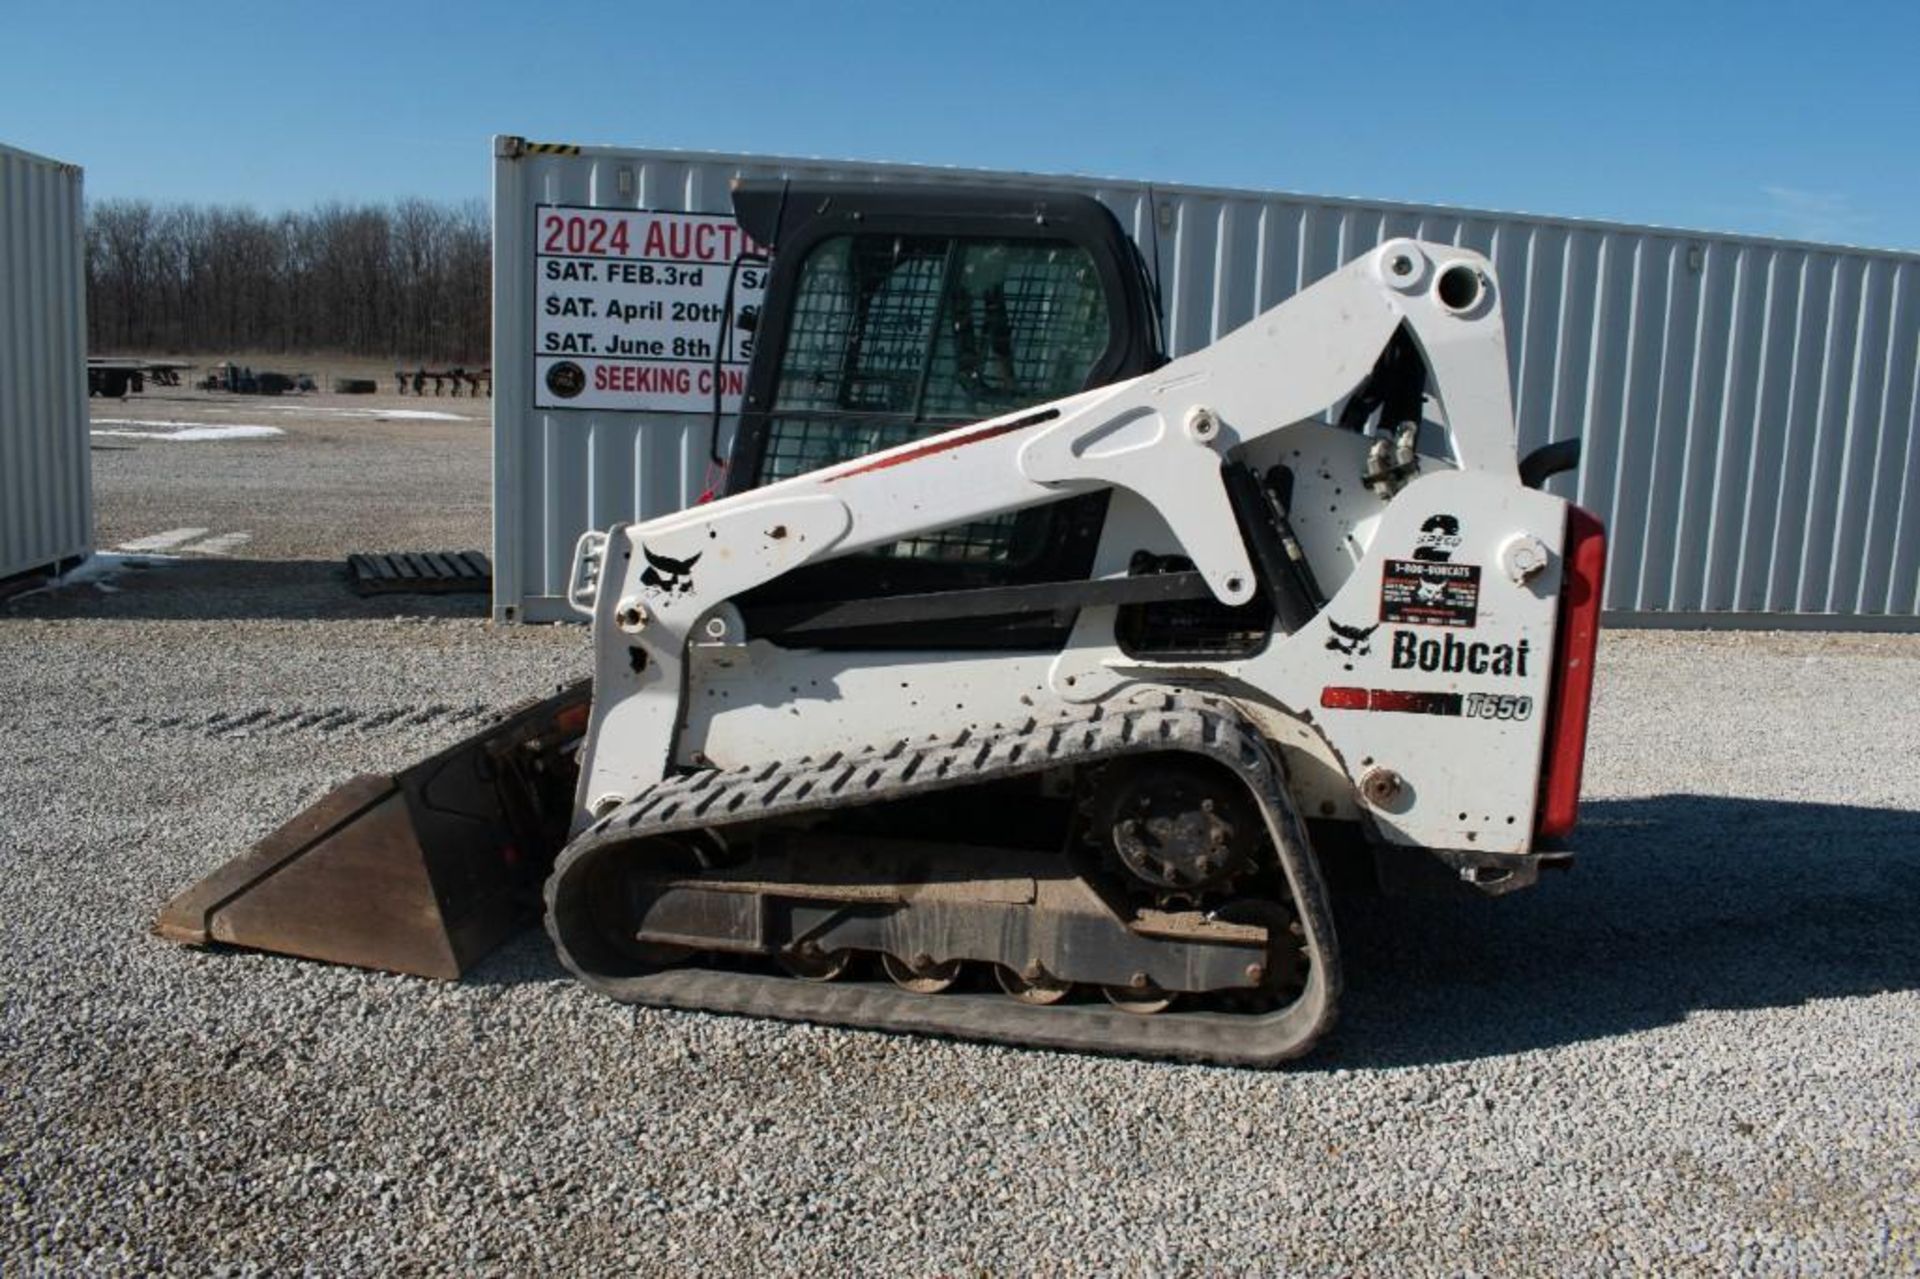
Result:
1580,590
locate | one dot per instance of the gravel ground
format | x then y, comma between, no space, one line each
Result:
1694,1054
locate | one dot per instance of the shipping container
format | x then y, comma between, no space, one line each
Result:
46,475
1748,405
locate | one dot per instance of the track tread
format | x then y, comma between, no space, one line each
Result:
712,799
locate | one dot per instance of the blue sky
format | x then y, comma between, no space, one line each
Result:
1798,122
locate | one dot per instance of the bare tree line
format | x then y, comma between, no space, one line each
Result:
409,280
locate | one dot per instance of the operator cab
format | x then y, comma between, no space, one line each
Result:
894,314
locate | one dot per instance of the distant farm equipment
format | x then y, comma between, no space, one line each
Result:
474,380
238,379
115,378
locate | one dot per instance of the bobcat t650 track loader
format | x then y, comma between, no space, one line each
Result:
1010,688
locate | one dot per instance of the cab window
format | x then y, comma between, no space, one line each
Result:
896,337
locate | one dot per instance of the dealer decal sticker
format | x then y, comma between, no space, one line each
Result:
1430,593
1439,539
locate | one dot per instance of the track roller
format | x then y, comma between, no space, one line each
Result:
1040,988
1142,1001
809,963
921,975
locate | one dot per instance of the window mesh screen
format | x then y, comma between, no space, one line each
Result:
893,338
862,323
1023,324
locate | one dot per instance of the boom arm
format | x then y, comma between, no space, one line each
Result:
1163,437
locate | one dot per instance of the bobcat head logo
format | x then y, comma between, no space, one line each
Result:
1350,641
665,578
1429,592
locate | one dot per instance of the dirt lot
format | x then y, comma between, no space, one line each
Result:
339,473
1694,1054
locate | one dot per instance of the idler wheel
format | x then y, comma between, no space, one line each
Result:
1284,971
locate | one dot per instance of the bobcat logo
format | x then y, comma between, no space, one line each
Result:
1350,641
665,578
1429,592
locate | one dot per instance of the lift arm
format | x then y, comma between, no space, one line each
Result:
1163,437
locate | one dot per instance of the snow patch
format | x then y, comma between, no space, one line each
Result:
187,432
415,415
163,541
219,544
98,571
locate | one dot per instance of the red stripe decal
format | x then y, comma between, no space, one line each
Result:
939,444
1412,703
1406,701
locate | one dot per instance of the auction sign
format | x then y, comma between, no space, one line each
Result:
630,309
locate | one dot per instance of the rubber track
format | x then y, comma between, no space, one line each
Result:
1183,722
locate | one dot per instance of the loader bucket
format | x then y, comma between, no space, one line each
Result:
421,871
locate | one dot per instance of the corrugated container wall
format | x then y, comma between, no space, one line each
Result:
46,476
1748,405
